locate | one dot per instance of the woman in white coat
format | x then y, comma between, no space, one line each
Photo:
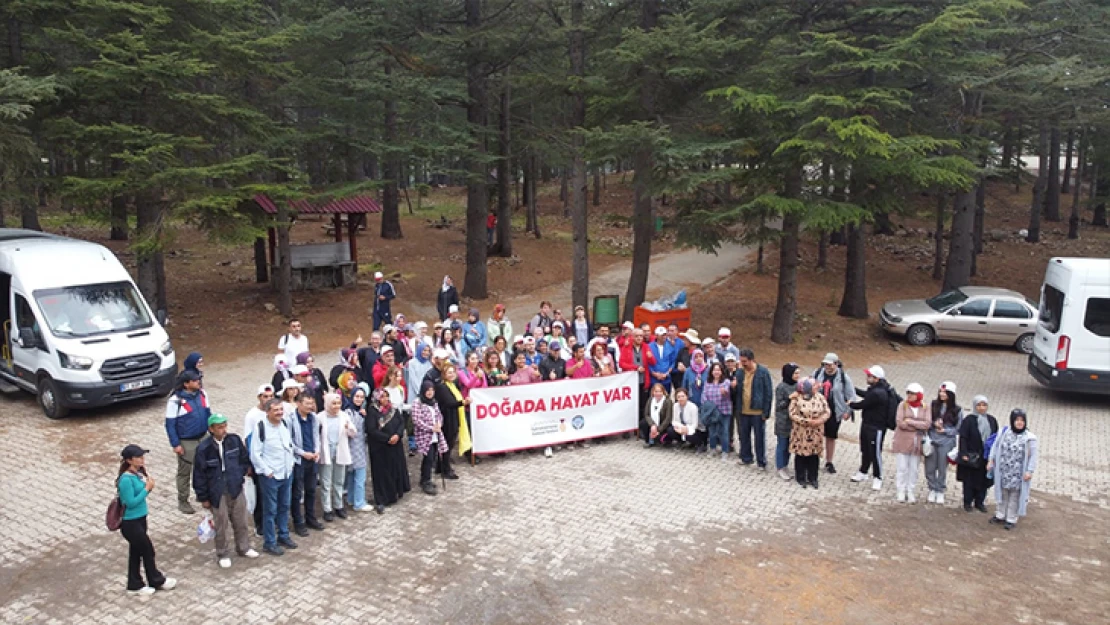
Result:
335,455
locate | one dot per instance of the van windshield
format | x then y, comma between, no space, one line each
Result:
946,300
79,311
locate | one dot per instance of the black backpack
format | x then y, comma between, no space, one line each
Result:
893,401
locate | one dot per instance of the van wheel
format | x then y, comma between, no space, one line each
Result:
920,334
48,399
1024,344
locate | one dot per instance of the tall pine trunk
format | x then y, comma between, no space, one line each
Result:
938,236
643,161
504,242
961,246
1052,190
786,303
854,302
284,274
1073,221
1065,186
477,187
1039,185
597,185
117,207
980,224
391,197
580,291
151,269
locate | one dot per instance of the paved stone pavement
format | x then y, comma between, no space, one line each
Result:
567,539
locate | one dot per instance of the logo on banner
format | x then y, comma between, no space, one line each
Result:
578,422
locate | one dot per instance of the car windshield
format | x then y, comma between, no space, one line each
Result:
79,311
946,300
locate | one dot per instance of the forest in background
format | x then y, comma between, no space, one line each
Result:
756,119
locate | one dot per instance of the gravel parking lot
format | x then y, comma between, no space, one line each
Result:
610,534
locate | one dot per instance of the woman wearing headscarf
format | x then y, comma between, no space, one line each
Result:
499,325
348,362
281,371
317,383
355,485
430,442
808,413
696,375
348,383
971,457
790,375
912,421
452,405
415,371
334,456
448,296
1013,460
947,416
385,429
195,362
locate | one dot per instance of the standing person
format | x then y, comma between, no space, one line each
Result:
317,382
579,366
682,353
491,226
657,417
452,406
368,357
447,297
308,436
499,325
542,320
348,363
833,382
472,375
335,456
522,372
685,421
449,344
1013,460
711,355
133,485
194,362
256,415
390,337
452,321
532,356
384,294
718,391
355,483
580,326
783,425
693,380
808,412
947,417
912,422
553,367
187,413
386,361
474,337
430,443
754,395
875,409
385,429
220,466
281,371
293,342
496,375
272,455
725,346
416,371
635,356
972,456
664,355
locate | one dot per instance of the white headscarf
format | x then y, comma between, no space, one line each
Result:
445,285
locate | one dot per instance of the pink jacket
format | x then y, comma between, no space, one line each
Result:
909,430
471,381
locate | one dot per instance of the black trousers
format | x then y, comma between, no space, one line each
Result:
805,468
871,449
432,460
697,439
304,483
257,502
141,550
974,496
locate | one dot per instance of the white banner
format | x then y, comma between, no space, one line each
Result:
507,418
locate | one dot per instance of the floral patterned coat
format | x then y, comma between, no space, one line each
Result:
807,437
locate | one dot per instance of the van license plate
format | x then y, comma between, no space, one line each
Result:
131,386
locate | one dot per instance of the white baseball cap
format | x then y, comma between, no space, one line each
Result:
387,328
420,324
629,325
949,386
265,388
876,371
518,339
830,358
660,330
290,383
724,332
386,350
529,340
914,387
730,357
378,275
299,370
453,308
708,341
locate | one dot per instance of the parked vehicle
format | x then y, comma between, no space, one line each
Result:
970,314
1072,348
76,331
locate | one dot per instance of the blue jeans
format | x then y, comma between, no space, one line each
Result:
356,487
749,424
782,452
275,509
718,435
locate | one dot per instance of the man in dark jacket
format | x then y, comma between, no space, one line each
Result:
875,406
187,413
755,393
220,464
553,367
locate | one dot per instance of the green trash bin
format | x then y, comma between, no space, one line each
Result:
658,225
607,310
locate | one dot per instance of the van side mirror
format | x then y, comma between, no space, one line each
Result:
27,339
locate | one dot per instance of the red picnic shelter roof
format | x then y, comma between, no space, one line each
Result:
354,205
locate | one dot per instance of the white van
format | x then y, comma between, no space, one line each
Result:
76,330
1071,351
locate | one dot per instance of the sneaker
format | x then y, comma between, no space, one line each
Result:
783,474
877,484
225,563
829,468
860,476
274,551
940,498
910,497
996,521
363,508
1009,525
329,516
981,508
547,453
145,591
250,553
171,583
763,467
341,513
185,507
287,543
901,496
932,498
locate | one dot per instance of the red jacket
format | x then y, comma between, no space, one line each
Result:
378,373
628,363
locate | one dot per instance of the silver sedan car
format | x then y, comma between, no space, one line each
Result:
970,314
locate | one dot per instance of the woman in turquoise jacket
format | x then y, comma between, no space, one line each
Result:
133,485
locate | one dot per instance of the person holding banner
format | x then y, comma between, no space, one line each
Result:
430,443
495,370
453,406
579,366
522,372
635,356
601,360
655,427
553,367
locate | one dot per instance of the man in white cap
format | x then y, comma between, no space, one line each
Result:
387,360
383,296
664,355
626,334
875,420
833,382
452,320
709,346
532,358
725,346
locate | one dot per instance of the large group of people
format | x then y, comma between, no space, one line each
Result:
344,434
